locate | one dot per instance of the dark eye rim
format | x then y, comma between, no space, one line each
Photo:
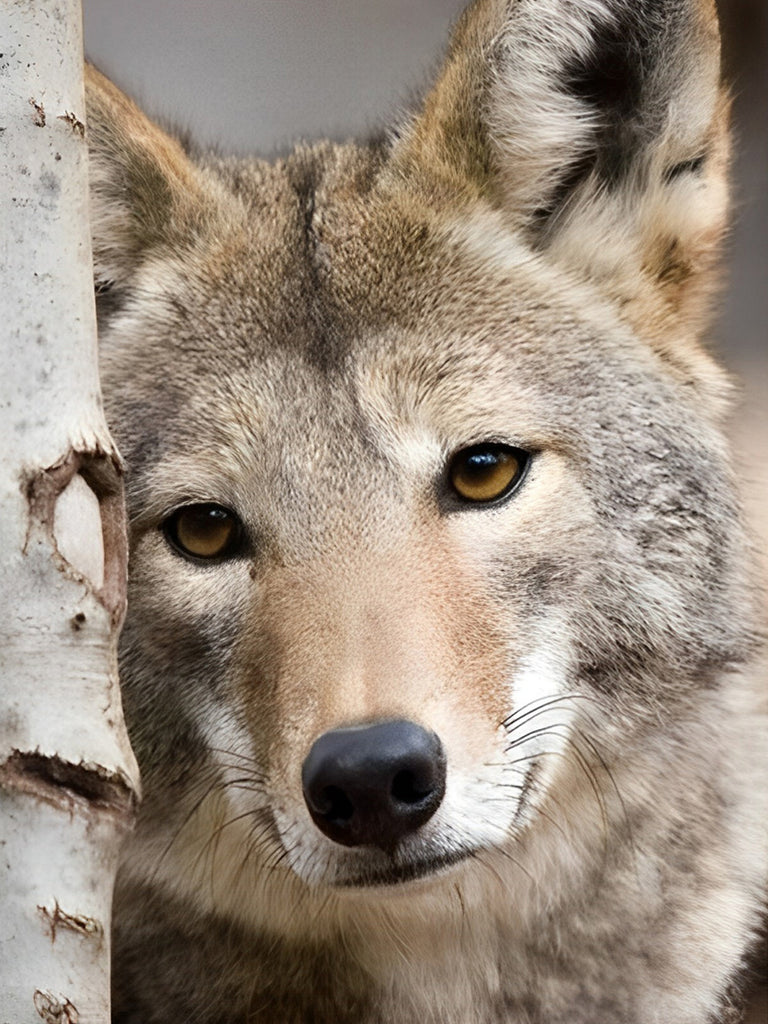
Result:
235,547
524,456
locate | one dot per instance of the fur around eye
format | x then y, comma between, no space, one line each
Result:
486,472
206,531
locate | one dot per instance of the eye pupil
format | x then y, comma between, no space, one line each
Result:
203,531
486,472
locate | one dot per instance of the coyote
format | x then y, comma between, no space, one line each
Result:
442,660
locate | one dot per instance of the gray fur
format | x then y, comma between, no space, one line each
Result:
307,343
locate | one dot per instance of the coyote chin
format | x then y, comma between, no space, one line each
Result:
442,662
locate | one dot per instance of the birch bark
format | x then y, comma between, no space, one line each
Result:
68,779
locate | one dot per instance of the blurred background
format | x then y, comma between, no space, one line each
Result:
253,76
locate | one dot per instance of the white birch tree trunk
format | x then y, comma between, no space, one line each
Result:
68,779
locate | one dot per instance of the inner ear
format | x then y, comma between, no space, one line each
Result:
609,80
109,299
628,81
146,194
537,97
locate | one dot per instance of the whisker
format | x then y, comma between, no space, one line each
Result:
214,836
536,707
588,771
548,730
217,783
256,839
603,764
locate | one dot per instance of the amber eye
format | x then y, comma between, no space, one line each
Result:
486,472
204,531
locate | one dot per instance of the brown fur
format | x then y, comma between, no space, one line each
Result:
528,259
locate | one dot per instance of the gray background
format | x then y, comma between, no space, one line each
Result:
256,75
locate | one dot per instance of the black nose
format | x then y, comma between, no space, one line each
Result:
371,785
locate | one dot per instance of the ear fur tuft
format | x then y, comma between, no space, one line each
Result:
600,129
144,187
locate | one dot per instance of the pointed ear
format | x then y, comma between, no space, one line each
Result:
599,128
144,188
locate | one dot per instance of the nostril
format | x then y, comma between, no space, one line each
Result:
407,790
335,804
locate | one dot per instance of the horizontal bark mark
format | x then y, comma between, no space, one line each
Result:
81,924
66,785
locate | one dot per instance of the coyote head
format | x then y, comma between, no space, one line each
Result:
432,522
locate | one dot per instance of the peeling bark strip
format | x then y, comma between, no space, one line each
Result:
68,779
79,923
102,473
39,118
74,122
55,1009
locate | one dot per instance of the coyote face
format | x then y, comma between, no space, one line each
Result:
440,654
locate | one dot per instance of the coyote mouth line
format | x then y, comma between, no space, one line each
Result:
399,874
